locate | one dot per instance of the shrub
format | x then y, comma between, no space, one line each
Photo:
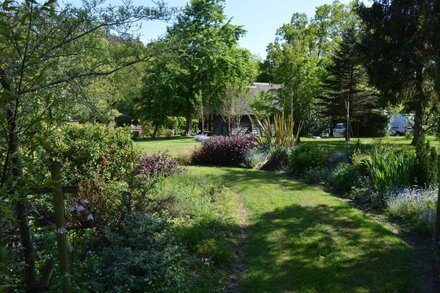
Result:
306,156
317,175
344,177
425,167
278,159
389,169
91,149
141,255
413,207
254,157
168,132
224,150
159,164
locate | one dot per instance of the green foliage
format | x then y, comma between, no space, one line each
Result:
298,57
425,168
414,208
280,133
90,149
394,38
142,254
347,95
278,159
306,156
344,177
388,168
202,57
317,175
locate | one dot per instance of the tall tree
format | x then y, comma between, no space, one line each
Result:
298,57
394,43
208,56
346,91
45,46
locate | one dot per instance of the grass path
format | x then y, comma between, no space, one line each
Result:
302,239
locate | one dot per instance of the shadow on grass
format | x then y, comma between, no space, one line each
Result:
235,176
316,247
325,249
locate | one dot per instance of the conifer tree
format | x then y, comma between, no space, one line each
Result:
346,92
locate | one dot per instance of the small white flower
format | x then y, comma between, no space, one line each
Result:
90,217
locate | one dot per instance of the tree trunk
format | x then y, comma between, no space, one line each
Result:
188,125
16,166
60,224
348,127
419,113
297,131
418,122
155,131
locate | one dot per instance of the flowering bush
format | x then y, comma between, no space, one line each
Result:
159,164
416,207
224,150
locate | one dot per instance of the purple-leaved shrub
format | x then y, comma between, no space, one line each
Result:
224,150
159,164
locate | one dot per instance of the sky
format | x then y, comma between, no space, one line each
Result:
260,18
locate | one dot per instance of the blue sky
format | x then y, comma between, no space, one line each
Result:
261,18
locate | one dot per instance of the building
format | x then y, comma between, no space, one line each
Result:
235,118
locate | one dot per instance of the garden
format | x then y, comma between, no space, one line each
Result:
189,164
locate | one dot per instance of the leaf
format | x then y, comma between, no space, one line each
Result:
6,6
431,205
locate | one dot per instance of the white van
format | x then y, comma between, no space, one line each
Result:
400,124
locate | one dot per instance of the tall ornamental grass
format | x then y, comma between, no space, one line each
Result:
388,168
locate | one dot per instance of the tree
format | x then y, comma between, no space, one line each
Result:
298,57
207,56
394,43
45,46
346,91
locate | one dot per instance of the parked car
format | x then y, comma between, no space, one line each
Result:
339,130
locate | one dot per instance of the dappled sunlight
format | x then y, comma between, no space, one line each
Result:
322,249
303,239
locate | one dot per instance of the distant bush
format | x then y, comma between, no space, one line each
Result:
159,164
306,156
224,150
344,177
415,207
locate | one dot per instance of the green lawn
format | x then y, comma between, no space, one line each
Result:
302,239
173,145
338,144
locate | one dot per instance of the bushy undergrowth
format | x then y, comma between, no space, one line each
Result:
344,177
182,241
278,159
416,207
379,175
388,168
142,254
159,164
224,150
306,156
